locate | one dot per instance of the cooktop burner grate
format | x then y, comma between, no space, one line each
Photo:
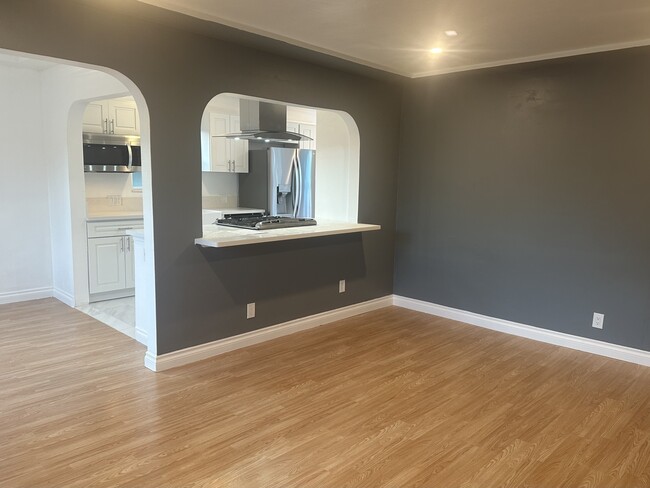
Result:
262,222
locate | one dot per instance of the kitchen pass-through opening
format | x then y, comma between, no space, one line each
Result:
297,163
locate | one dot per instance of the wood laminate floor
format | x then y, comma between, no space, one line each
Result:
391,398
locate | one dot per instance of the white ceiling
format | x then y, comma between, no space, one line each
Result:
396,36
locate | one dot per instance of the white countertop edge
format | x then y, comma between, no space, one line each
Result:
273,235
135,233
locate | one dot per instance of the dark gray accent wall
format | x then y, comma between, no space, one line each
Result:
202,294
524,194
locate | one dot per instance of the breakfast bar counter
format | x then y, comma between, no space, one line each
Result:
220,236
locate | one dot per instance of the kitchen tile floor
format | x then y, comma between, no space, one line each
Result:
118,314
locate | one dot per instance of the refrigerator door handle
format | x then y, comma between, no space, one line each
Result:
300,186
294,183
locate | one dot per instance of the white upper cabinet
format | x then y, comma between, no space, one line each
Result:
113,116
238,149
308,130
219,146
123,117
96,117
304,129
226,155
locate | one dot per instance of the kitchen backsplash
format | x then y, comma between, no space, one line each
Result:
219,201
113,203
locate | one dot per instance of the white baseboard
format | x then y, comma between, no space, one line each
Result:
141,336
623,353
25,295
204,351
64,297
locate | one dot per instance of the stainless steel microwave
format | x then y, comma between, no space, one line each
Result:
111,153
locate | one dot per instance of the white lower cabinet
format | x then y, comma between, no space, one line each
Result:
111,260
129,262
106,264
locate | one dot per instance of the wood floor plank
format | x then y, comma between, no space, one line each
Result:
392,398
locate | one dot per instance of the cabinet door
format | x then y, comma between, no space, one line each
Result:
96,117
106,264
238,149
129,262
308,130
124,119
219,146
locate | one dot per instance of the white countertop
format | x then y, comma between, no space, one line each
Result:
103,216
218,236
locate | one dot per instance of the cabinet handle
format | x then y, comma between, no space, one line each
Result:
128,244
112,126
105,124
124,228
122,244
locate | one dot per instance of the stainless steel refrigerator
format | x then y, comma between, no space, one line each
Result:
279,180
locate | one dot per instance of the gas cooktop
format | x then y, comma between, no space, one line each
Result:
262,222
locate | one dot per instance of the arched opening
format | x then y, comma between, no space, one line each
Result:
333,137
63,90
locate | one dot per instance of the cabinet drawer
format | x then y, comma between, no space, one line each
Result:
109,228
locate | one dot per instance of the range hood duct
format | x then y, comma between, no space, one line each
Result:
264,122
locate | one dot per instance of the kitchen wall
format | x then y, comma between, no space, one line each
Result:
201,294
337,167
25,258
523,194
100,185
111,192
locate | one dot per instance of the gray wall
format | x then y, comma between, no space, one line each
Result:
522,190
523,194
179,67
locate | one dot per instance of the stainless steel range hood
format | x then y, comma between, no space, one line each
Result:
265,122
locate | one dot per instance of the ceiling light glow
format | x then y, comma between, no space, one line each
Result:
451,33
435,50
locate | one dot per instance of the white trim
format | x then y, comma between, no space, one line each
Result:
64,297
538,57
614,351
141,335
25,295
204,351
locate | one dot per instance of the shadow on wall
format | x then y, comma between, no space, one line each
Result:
278,269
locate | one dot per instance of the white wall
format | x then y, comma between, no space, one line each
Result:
25,257
65,93
337,167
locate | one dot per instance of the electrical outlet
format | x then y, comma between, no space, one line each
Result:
598,321
115,200
341,286
250,310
